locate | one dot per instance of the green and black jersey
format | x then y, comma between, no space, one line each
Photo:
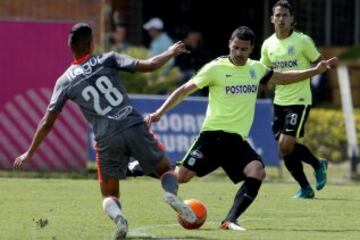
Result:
232,94
295,52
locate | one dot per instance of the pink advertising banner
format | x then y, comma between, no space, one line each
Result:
32,56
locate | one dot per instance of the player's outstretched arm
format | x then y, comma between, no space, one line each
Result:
44,127
293,76
174,99
159,60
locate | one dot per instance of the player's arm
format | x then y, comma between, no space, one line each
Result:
44,127
288,77
159,60
174,99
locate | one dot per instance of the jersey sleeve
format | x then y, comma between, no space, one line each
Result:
310,50
204,77
264,55
265,79
124,62
265,73
59,95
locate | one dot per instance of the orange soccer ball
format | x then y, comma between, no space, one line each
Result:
200,211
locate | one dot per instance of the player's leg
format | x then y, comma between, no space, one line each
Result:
197,161
319,165
294,165
169,183
148,151
292,118
112,166
184,174
249,168
112,207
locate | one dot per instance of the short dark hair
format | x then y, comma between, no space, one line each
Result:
80,38
244,33
283,4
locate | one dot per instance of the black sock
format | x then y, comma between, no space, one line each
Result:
244,197
306,155
295,167
169,182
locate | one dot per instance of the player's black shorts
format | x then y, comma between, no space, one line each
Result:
290,120
213,149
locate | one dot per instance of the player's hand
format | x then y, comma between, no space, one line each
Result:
331,62
324,65
152,117
21,160
178,48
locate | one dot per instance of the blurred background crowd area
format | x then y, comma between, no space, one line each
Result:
131,27
204,27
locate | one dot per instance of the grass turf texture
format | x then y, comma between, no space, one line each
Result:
71,209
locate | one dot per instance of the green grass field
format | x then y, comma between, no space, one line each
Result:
73,211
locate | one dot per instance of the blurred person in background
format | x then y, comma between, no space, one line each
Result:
160,40
119,38
189,64
92,82
286,50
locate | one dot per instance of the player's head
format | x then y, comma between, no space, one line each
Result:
282,16
241,45
81,39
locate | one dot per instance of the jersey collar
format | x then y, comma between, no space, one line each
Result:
81,60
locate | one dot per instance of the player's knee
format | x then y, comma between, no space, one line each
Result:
163,167
184,178
255,170
285,148
184,175
262,174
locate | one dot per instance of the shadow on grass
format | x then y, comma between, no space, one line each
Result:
307,230
150,236
171,238
337,199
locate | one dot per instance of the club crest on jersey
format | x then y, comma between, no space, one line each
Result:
191,161
291,50
252,74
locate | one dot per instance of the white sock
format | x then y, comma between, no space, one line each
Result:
112,207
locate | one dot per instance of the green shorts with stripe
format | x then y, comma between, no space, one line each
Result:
290,120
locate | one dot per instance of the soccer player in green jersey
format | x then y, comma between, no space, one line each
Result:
233,83
286,50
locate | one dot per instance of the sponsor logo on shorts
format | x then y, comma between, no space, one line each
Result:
197,154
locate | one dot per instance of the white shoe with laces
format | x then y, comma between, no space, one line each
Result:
184,211
227,225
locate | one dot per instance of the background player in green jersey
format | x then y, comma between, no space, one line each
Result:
233,83
285,50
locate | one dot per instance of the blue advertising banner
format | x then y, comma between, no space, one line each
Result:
177,129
